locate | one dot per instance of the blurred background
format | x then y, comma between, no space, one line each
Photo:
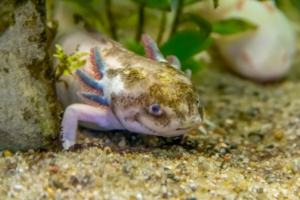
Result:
195,30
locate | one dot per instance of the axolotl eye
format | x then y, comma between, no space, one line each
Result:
197,103
155,109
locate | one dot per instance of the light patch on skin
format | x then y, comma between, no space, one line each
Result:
129,77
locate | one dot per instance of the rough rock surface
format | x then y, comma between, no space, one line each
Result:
28,105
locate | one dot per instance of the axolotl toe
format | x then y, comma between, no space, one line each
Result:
118,89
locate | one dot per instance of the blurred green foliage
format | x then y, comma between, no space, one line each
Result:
232,26
296,3
185,44
189,2
204,25
189,36
158,4
216,3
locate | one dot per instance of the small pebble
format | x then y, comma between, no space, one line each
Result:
260,190
122,144
107,150
278,134
229,123
226,158
193,187
31,151
139,196
171,175
220,131
234,146
50,192
74,181
78,187
246,160
176,179
54,169
7,154
270,146
193,133
222,150
164,189
18,187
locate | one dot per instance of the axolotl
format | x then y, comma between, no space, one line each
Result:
116,89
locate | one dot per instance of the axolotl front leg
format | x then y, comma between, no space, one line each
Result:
98,112
101,116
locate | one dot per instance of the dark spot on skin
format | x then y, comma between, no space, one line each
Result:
180,116
180,92
163,119
173,70
180,129
135,118
6,70
124,101
104,41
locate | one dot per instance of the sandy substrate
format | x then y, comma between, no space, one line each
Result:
249,149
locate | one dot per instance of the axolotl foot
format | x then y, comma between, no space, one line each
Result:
102,116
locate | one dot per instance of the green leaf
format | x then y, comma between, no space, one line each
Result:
204,25
296,3
192,64
135,47
216,3
185,44
232,26
188,2
157,4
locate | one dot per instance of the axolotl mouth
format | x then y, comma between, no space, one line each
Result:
180,129
169,133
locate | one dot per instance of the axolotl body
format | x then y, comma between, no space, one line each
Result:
118,89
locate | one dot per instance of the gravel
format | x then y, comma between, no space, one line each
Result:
249,148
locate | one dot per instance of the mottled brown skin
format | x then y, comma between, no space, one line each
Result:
147,82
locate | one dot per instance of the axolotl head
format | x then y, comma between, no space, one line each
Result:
157,100
147,95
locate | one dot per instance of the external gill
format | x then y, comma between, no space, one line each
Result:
98,63
151,49
153,53
98,67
